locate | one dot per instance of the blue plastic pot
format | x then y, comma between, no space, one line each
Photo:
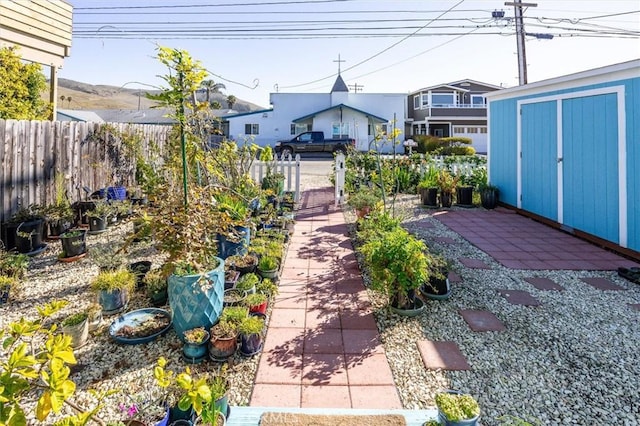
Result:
116,193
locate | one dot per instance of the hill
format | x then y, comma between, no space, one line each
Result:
91,97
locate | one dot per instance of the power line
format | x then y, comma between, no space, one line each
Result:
380,52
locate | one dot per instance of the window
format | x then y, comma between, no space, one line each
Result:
296,129
251,129
416,102
425,100
458,130
483,130
442,99
478,101
340,130
472,130
378,129
438,133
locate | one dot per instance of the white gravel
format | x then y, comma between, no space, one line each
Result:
573,360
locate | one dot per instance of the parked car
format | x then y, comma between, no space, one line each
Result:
313,142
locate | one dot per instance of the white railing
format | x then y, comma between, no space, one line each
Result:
288,166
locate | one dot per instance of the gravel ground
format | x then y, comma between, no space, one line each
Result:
573,360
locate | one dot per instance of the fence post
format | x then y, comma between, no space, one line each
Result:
340,175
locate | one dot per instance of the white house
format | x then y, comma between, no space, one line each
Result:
338,114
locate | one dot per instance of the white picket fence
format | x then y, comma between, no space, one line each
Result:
463,168
288,166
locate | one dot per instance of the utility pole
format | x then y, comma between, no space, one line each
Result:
522,56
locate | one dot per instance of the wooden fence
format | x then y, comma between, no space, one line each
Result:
33,152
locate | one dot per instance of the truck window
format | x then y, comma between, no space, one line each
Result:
306,137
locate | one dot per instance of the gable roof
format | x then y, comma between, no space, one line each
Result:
339,85
339,106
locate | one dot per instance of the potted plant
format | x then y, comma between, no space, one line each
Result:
464,190
233,297
77,327
59,215
251,330
187,235
13,264
234,240
428,187
224,335
99,216
231,277
113,289
489,196
140,268
437,286
156,287
74,244
94,316
457,409
363,201
195,340
267,287
447,183
272,179
25,230
398,264
247,283
268,267
257,303
219,404
107,258
243,263
6,284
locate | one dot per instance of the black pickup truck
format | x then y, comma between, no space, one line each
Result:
313,142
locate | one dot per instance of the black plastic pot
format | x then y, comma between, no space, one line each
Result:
28,236
489,198
74,243
97,224
58,227
464,195
446,199
140,269
81,208
429,196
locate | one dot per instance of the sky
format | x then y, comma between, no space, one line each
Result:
257,47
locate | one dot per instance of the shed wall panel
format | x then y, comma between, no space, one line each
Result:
632,105
539,159
503,149
590,166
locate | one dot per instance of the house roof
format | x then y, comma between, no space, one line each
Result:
479,83
145,116
339,85
78,115
242,114
452,86
372,116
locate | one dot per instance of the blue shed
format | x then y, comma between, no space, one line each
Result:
567,150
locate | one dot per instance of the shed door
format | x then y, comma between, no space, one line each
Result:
590,165
539,162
